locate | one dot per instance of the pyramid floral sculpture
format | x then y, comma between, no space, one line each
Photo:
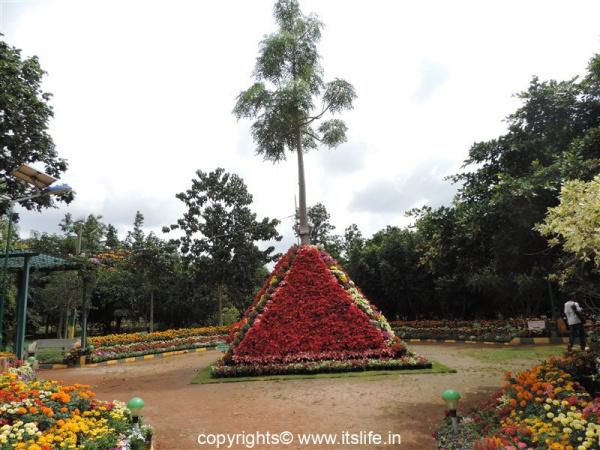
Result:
308,318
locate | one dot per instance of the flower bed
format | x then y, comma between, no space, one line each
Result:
45,415
309,317
542,408
468,330
118,346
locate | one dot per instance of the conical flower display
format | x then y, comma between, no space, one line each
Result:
309,317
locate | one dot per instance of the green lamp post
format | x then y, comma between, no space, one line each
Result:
135,405
451,398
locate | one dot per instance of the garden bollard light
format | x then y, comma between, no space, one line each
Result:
135,405
451,398
32,362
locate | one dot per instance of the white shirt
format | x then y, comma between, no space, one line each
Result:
572,319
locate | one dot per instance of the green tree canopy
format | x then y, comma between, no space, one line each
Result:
220,231
136,238
484,243
290,99
24,117
319,224
573,226
386,269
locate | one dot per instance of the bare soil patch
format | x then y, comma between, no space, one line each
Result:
405,404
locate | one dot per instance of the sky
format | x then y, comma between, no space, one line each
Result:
143,93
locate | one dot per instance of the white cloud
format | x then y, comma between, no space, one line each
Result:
143,93
433,76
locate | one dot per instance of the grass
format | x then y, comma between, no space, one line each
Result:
204,376
51,355
504,354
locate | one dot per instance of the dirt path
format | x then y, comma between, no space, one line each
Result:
408,405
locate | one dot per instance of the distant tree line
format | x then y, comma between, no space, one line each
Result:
204,277
526,212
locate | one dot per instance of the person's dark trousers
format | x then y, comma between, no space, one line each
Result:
577,330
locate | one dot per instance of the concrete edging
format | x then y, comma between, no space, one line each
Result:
113,362
515,341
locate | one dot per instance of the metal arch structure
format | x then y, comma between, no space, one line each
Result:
24,262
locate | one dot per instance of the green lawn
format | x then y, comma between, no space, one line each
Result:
204,376
504,354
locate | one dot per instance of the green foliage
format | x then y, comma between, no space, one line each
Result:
289,62
318,220
24,138
230,316
574,223
62,291
573,226
289,85
135,238
484,245
386,269
14,234
112,238
220,232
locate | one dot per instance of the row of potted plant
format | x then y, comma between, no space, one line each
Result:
309,317
470,330
546,407
45,415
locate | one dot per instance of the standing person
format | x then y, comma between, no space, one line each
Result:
575,320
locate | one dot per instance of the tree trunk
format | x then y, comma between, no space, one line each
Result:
304,231
47,327
220,298
66,331
151,309
59,329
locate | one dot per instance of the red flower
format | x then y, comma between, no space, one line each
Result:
309,316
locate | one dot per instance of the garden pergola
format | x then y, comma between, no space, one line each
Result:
23,262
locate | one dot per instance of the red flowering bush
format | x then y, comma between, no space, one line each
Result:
310,317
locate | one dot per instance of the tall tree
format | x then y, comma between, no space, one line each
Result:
112,238
485,243
220,231
353,238
24,116
387,270
284,98
90,232
154,261
320,230
58,299
318,222
135,239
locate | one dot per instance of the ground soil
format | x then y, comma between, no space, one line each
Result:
405,404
